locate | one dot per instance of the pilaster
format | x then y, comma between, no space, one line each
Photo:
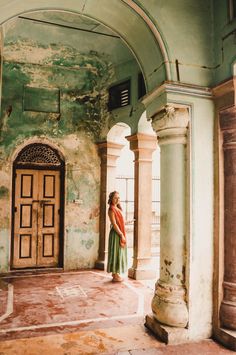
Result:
108,152
143,145
228,304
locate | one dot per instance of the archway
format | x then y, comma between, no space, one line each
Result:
140,35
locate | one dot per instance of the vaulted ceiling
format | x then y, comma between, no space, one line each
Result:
80,32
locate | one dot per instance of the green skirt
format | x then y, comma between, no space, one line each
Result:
117,256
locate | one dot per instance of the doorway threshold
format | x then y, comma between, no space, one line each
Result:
20,272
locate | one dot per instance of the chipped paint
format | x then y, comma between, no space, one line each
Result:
82,80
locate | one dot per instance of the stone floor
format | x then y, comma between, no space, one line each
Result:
81,313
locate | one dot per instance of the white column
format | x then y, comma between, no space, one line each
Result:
169,303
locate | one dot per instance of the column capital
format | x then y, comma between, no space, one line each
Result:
142,141
228,118
170,124
109,152
109,147
228,127
224,94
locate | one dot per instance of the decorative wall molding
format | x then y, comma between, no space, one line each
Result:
177,88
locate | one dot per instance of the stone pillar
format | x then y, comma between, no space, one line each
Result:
143,145
169,302
228,305
109,152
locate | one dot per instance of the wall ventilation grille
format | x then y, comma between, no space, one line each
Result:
38,154
119,95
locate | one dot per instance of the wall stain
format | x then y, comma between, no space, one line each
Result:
4,192
167,262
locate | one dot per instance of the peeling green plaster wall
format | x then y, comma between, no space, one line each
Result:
48,58
82,203
82,80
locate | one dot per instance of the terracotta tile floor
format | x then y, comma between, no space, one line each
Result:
81,313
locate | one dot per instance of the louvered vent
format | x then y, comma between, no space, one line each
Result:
119,95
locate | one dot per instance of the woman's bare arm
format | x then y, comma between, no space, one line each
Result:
130,221
111,215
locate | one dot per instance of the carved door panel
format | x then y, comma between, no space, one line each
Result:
36,224
25,233
48,218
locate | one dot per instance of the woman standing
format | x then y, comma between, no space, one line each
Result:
117,248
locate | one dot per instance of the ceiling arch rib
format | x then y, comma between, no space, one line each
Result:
133,28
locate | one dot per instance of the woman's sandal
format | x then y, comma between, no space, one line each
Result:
117,279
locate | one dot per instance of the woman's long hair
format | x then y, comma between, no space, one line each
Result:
111,195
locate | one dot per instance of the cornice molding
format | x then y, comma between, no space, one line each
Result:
177,88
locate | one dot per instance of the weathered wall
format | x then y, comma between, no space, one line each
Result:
224,41
81,219
187,28
80,80
119,16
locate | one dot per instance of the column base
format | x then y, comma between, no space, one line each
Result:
100,264
228,314
141,274
169,335
169,306
226,337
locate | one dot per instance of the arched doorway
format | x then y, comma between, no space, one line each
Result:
37,208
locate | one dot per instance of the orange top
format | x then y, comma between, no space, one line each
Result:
119,221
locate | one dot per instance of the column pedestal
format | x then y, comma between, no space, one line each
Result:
109,152
169,335
143,145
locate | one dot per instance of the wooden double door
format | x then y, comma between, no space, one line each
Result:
36,219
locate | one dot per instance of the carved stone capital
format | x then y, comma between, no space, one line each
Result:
109,152
228,119
170,124
170,117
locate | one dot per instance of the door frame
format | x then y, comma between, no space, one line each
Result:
32,166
